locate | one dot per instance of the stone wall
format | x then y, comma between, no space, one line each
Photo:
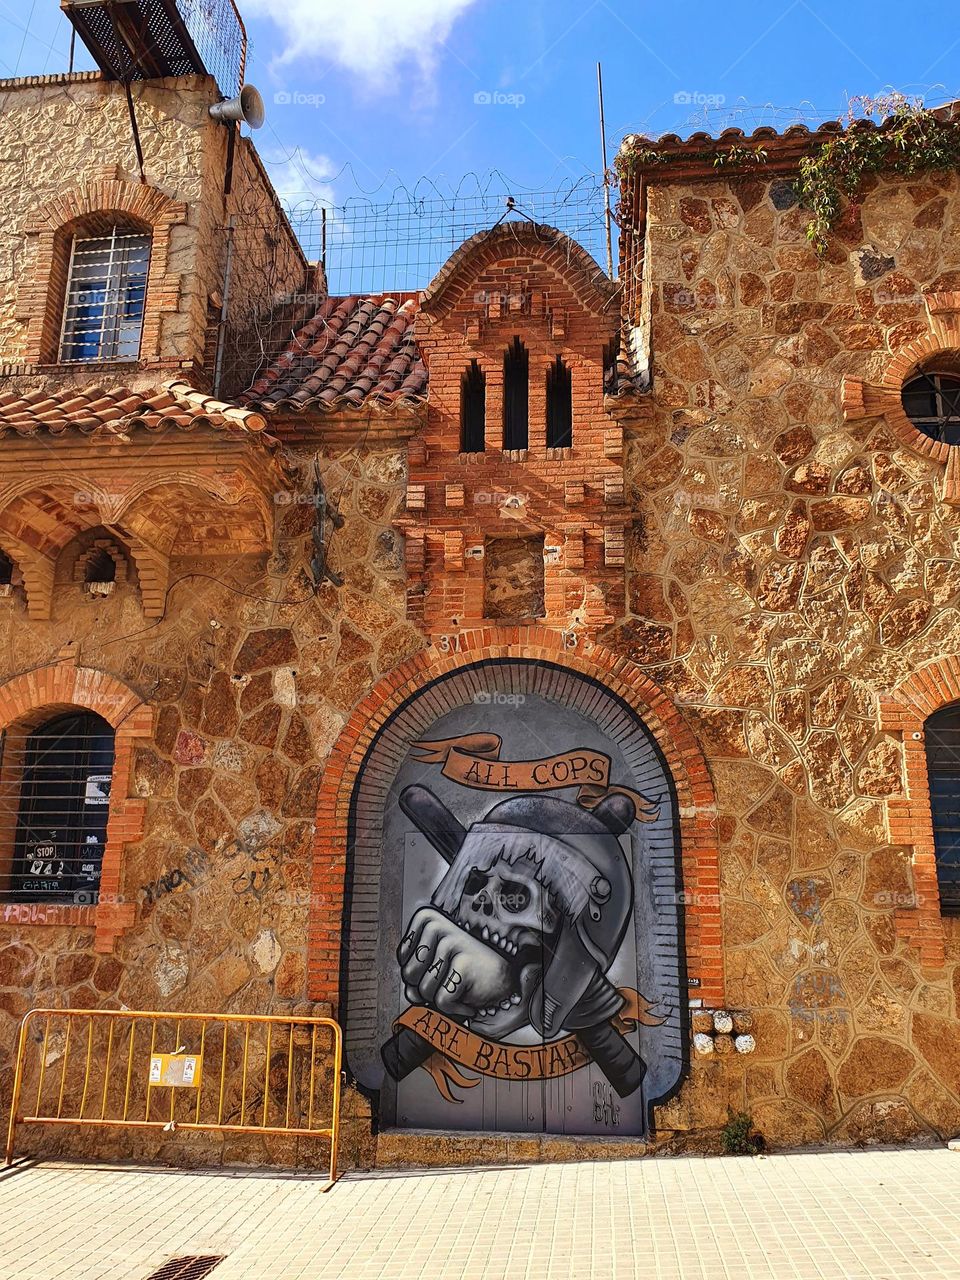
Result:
251,676
790,569
67,147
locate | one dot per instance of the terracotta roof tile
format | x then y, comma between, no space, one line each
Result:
353,353
796,139
117,412
359,353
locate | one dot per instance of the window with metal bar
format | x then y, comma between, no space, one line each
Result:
106,291
942,741
516,390
473,409
932,403
55,798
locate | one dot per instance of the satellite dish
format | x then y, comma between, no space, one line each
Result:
247,106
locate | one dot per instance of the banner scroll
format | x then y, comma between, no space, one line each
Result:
473,760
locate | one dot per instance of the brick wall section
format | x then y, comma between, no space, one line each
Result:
35,696
862,399
695,798
934,686
182,201
91,209
517,280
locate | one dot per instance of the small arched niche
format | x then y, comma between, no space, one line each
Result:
10,576
99,564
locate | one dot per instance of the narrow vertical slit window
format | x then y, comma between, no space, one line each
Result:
559,406
106,293
473,409
516,396
941,735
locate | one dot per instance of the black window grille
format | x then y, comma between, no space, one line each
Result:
57,781
559,406
942,740
516,394
473,409
106,293
932,403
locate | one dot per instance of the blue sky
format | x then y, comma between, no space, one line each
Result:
363,93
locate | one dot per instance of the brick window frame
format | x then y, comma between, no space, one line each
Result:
861,398
26,701
909,815
91,210
696,800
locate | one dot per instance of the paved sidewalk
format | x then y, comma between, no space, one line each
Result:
889,1214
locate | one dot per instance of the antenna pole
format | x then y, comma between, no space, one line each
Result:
606,184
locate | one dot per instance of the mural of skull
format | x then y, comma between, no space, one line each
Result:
488,977
524,924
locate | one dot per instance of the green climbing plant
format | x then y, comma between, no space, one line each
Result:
892,134
738,1138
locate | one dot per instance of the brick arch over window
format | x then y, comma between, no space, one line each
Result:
27,701
519,240
696,801
92,208
910,816
881,399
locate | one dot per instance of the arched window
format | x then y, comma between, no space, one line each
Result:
516,378
473,409
942,741
6,570
104,303
931,401
59,774
559,406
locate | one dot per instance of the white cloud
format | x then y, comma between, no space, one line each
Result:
370,38
300,178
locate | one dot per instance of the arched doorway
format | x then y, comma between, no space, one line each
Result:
513,929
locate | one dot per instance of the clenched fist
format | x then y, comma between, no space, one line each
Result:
444,966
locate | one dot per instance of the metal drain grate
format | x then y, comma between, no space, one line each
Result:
188,1268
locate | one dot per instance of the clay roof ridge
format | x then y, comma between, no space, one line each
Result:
798,132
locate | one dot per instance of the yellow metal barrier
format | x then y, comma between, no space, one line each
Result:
225,1073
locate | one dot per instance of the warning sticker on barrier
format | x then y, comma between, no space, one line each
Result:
178,1070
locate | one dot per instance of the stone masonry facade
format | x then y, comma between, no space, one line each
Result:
746,541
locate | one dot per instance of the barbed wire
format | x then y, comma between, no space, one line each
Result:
365,247
713,112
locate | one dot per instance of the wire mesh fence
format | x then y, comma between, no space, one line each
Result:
399,244
365,246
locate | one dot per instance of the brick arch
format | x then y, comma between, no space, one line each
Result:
696,801
498,245
881,399
34,696
95,205
909,815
